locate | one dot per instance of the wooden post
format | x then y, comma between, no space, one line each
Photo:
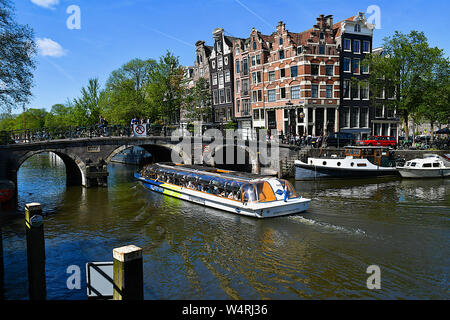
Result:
2,274
35,251
128,273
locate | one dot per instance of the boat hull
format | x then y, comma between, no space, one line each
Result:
7,190
304,171
424,173
259,210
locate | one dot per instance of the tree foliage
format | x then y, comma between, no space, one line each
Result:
405,72
17,50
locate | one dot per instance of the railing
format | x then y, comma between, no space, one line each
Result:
65,133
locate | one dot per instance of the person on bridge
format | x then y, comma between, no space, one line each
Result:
103,125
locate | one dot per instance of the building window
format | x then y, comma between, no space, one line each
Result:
222,95
245,87
356,46
329,70
299,50
238,86
321,49
257,96
221,83
238,105
329,91
238,51
281,41
219,62
282,73
364,68
364,117
355,91
281,54
214,79
283,93
213,64
315,69
347,44
294,71
354,116
225,60
253,61
227,75
322,36
365,91
346,89
344,113
258,59
356,66
272,96
238,66
314,91
357,28
254,45
271,75
216,97
366,46
346,64
295,92
228,95
245,66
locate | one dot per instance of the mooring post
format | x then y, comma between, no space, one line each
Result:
128,273
35,251
2,273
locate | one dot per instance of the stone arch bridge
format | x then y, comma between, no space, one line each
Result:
86,159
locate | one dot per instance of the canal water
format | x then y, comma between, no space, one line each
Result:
192,252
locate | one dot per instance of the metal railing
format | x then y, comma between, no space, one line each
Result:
88,132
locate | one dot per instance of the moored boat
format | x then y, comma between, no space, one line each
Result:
239,193
431,166
7,189
359,161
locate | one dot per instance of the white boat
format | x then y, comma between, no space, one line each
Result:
359,161
431,166
230,191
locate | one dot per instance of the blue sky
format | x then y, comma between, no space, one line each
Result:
112,32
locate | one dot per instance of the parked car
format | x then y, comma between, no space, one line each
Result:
384,141
339,139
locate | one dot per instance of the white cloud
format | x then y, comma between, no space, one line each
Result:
46,3
50,48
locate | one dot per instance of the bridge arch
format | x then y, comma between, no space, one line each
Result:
159,152
220,153
75,167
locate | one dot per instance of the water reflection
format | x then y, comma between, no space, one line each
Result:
193,252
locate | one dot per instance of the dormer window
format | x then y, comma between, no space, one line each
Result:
322,36
254,45
357,28
281,41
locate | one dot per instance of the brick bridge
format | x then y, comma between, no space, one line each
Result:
86,159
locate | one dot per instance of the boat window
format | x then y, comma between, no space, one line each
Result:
436,164
248,193
426,165
291,193
413,164
264,192
362,165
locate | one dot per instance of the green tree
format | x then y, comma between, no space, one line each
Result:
165,90
125,92
401,70
86,109
17,49
197,102
60,115
30,119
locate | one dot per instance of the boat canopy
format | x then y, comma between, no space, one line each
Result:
249,190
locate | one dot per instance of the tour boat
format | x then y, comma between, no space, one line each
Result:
231,191
431,166
359,161
7,189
